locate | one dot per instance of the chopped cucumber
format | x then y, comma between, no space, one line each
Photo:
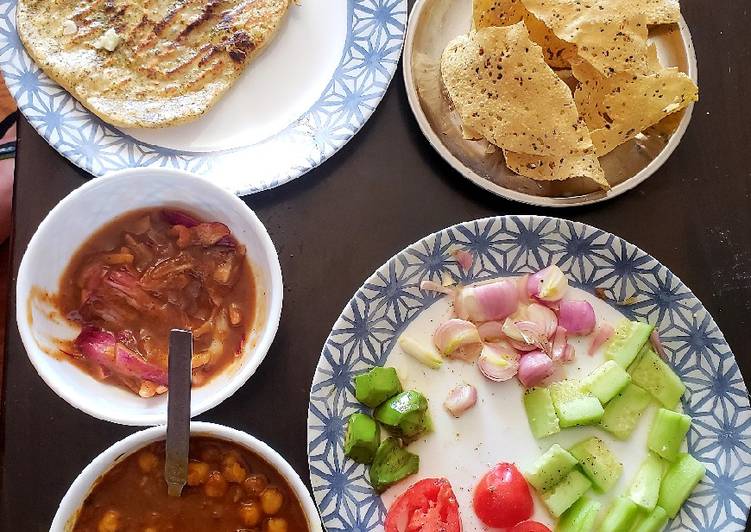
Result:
405,413
598,463
550,468
563,495
622,413
540,412
606,381
580,517
573,406
645,488
391,464
620,516
377,385
667,433
654,522
680,480
362,438
628,339
654,375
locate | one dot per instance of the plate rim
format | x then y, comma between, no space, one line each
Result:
522,197
524,220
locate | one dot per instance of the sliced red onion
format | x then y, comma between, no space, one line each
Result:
544,317
498,361
549,284
654,338
491,331
569,353
463,258
521,285
175,217
559,344
432,286
577,317
533,334
461,399
534,367
603,332
486,302
522,346
132,364
458,339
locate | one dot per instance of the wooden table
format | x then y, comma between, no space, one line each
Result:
384,190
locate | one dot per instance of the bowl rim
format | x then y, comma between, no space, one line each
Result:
83,483
263,342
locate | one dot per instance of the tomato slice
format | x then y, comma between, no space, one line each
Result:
427,506
530,526
502,497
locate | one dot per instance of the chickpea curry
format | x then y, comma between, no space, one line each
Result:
229,489
149,271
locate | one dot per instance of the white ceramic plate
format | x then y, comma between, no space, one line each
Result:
433,23
299,102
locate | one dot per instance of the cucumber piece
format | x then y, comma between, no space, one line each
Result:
680,480
580,517
645,488
606,381
362,438
622,413
573,406
620,516
406,414
627,341
377,385
598,463
540,412
550,468
654,522
391,464
667,433
654,375
563,495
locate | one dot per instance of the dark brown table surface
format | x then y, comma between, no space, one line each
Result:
384,190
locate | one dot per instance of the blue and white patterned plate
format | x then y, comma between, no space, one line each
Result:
305,97
390,300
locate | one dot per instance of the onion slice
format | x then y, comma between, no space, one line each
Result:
432,286
460,399
535,367
486,302
498,361
544,317
463,258
549,284
656,342
577,317
491,331
559,344
603,332
458,339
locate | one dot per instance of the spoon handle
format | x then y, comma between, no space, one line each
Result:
178,410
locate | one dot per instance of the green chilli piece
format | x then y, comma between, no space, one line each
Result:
606,381
627,341
598,462
645,488
680,480
668,431
573,406
362,438
653,522
581,517
550,468
563,495
622,413
654,375
391,464
377,385
541,415
621,516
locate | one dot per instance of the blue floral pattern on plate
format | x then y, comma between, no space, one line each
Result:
375,34
390,299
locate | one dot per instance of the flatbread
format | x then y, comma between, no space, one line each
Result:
173,61
502,88
557,168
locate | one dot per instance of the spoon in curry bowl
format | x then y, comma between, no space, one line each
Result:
178,410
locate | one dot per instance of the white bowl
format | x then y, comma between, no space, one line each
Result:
67,512
71,223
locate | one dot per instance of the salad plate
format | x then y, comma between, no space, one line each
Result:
618,279
297,104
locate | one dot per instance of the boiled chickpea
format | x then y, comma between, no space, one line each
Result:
109,522
233,471
210,454
147,461
271,500
276,524
255,484
216,485
198,473
251,513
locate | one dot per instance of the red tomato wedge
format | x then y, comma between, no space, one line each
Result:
502,497
530,526
427,506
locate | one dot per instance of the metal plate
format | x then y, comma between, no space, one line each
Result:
433,23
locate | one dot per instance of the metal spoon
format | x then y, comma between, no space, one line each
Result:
178,410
